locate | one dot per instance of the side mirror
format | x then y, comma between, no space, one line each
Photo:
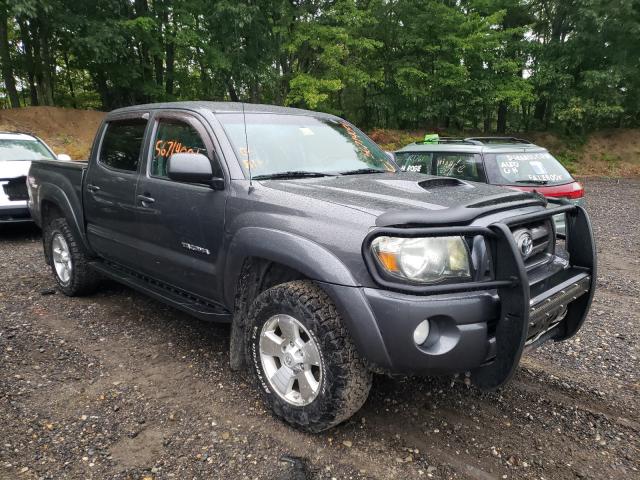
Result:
64,157
391,155
192,168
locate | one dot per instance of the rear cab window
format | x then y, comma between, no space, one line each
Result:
122,143
522,168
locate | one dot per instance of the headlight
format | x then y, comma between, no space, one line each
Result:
423,260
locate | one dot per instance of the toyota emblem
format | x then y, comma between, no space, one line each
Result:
525,244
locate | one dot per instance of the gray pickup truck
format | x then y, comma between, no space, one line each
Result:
330,263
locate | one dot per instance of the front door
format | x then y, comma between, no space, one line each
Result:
180,225
110,188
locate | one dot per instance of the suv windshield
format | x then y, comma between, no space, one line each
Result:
522,168
301,144
18,149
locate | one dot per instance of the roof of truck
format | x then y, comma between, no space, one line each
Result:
223,107
474,145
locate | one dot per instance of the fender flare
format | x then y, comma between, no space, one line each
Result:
316,263
294,251
56,195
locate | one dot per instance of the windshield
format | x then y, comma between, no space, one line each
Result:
522,168
18,149
300,143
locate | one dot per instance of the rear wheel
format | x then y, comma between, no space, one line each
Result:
69,261
305,364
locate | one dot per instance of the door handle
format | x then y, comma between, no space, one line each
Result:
145,201
93,188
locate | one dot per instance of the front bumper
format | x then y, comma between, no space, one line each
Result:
13,205
15,212
483,326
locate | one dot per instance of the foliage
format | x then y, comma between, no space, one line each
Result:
481,65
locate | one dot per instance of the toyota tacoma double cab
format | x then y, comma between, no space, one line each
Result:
329,261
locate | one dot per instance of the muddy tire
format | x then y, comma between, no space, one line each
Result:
303,361
68,259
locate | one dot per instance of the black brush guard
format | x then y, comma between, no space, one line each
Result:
523,321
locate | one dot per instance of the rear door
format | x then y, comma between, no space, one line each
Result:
180,225
110,188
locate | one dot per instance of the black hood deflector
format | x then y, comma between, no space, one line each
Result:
463,214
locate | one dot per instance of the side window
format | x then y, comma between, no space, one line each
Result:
459,165
122,143
415,161
175,136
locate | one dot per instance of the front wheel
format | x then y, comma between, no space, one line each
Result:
69,261
305,364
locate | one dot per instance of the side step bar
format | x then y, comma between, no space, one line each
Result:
165,293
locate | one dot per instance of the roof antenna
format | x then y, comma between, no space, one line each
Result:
246,142
244,117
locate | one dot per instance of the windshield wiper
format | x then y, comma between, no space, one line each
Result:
292,174
362,170
534,182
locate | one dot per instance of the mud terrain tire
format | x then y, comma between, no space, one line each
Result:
82,280
345,381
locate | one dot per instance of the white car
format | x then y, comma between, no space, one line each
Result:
16,152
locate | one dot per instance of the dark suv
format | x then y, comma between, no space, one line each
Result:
328,261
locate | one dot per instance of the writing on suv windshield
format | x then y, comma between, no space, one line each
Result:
294,144
15,149
519,168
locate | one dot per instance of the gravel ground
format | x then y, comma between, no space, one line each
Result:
119,386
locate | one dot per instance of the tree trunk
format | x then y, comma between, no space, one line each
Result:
255,91
158,61
5,58
170,52
102,88
486,127
501,126
44,95
159,69
72,91
47,63
171,57
142,10
204,75
28,51
233,95
540,110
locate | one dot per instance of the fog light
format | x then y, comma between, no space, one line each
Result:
421,332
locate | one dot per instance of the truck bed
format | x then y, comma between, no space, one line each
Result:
64,177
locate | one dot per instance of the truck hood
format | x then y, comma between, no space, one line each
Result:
13,168
379,193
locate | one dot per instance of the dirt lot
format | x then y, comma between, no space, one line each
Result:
119,386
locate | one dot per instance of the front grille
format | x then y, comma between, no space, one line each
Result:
543,242
16,189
